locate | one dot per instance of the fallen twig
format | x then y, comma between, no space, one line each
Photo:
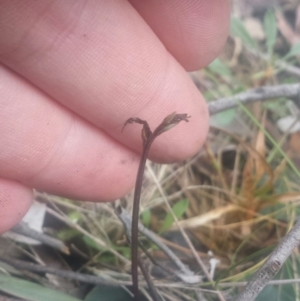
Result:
23,265
57,244
253,95
91,279
272,265
271,282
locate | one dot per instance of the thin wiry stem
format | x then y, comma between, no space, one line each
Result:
147,137
135,214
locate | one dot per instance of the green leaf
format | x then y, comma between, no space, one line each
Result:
106,293
92,244
238,29
294,51
75,216
30,291
223,118
270,28
68,234
218,67
146,217
178,209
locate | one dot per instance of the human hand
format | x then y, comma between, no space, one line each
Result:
71,74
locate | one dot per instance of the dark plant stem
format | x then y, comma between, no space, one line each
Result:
147,137
135,218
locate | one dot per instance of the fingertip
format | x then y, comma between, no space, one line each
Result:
15,200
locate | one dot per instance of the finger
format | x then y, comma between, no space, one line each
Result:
193,31
101,60
15,200
45,146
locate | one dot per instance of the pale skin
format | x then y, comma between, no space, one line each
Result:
72,72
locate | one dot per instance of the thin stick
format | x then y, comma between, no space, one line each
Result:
85,278
55,243
253,95
23,265
272,265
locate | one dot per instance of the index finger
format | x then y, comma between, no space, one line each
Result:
102,61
